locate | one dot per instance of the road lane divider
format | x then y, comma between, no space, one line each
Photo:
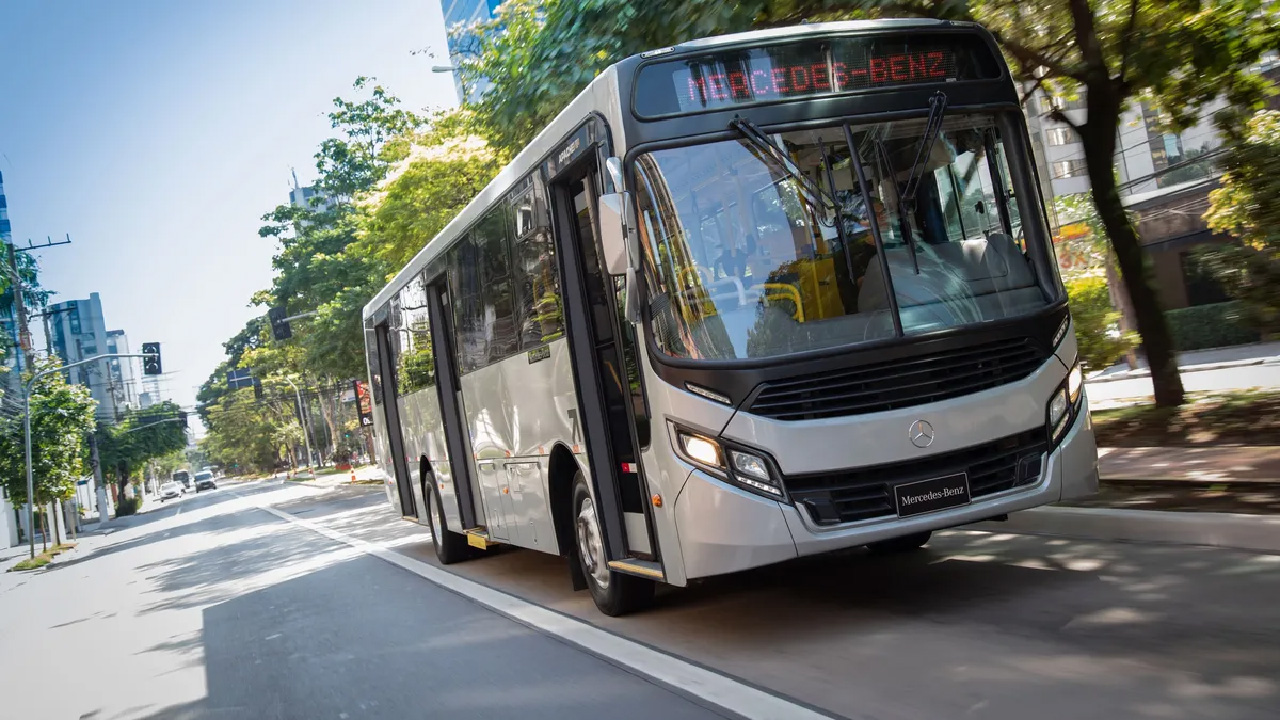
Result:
710,687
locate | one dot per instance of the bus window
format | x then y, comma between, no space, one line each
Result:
539,313
499,323
468,310
415,364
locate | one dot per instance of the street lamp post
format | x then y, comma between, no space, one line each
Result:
26,426
302,420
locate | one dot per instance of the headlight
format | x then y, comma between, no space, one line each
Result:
701,449
746,469
1059,414
1075,382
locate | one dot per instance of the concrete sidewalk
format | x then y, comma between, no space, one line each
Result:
1191,465
1266,353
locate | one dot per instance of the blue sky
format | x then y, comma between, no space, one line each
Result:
157,132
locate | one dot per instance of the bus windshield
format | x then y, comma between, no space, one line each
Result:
741,262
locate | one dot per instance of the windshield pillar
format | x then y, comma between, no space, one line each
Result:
1035,216
865,188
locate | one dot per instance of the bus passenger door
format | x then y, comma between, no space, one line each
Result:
457,436
598,341
391,414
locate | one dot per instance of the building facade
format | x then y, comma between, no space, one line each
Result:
8,309
1162,175
461,13
77,330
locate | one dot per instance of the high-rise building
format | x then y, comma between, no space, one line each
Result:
462,13
12,350
77,331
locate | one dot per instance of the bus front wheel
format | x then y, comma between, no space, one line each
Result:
903,544
450,546
614,593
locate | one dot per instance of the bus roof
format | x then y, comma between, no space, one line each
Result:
602,95
795,31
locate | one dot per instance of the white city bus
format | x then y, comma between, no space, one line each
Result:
745,299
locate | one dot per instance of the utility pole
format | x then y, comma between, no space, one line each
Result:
24,342
306,431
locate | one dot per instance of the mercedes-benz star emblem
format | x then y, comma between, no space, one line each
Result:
921,433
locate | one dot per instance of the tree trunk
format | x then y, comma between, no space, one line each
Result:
44,531
57,526
1099,137
326,413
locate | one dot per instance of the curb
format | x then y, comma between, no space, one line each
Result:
1145,373
1164,483
1260,533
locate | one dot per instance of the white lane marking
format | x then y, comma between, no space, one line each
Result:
712,687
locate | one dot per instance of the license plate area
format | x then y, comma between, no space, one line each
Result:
926,496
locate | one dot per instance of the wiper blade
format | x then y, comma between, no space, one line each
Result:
932,129
813,194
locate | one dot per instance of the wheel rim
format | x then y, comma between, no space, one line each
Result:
431,519
590,544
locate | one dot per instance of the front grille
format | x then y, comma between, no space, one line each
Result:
900,383
864,493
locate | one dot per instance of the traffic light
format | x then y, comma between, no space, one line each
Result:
151,358
280,329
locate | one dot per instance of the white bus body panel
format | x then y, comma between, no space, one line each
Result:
423,425
723,529
516,412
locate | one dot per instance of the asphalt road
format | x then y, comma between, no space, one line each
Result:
216,608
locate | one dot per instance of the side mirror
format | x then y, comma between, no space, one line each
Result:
614,231
613,166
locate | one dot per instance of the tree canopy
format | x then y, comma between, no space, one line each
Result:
1247,205
61,415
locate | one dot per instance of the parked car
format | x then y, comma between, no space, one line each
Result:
204,481
170,490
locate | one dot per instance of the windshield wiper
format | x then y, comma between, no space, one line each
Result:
907,192
814,195
932,129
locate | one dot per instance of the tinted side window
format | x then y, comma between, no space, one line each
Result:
468,305
492,238
539,313
415,364
375,363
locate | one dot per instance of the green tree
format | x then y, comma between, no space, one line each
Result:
1098,334
247,434
1180,55
1247,205
142,435
61,414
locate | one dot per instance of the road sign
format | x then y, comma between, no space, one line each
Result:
364,403
240,378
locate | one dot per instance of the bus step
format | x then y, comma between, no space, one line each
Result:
641,568
479,538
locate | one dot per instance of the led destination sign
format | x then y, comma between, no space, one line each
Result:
809,69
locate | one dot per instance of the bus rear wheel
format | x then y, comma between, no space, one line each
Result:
903,544
614,593
450,546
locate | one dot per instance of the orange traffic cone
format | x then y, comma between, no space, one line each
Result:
353,475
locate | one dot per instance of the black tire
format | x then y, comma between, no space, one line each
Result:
450,546
904,544
614,593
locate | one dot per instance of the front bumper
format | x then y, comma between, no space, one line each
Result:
723,529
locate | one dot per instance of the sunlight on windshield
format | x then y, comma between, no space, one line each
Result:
743,264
